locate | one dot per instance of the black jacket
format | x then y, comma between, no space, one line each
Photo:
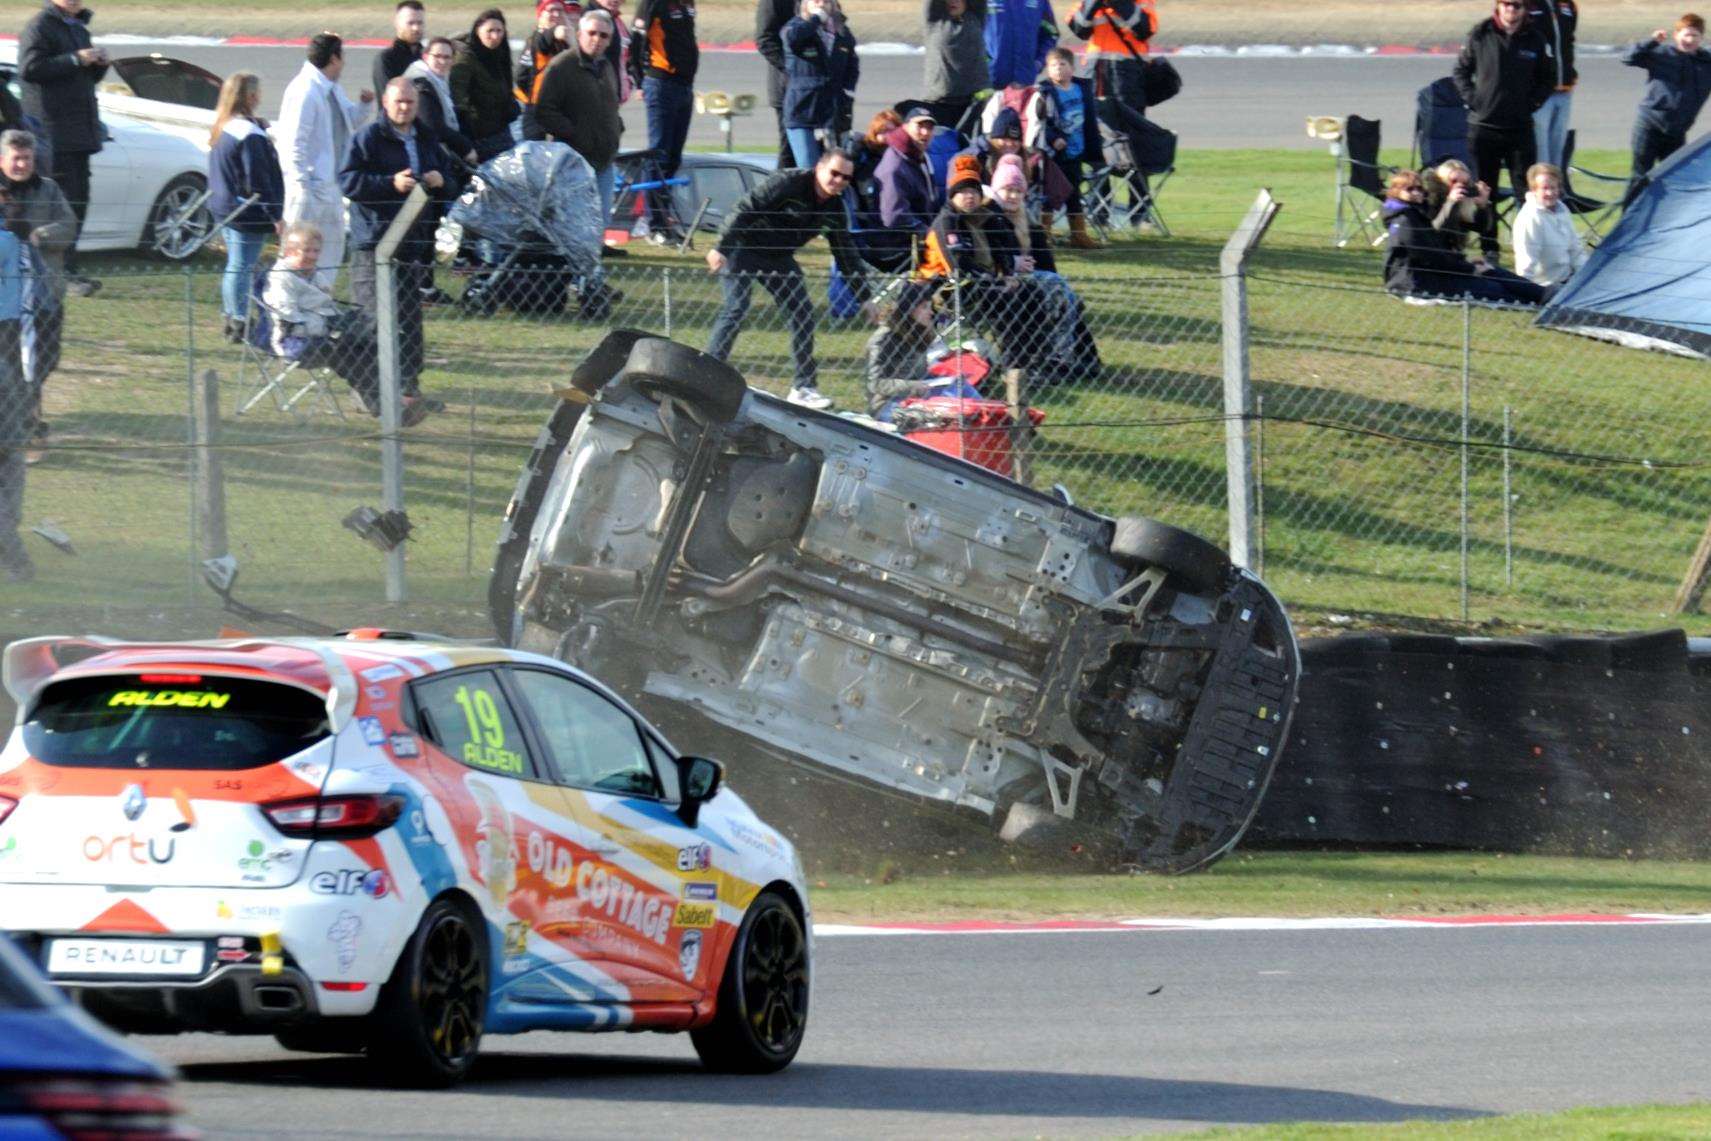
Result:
1415,250
577,105
59,91
481,88
1555,21
1504,79
1676,85
431,115
376,154
780,216
770,18
540,49
390,64
663,45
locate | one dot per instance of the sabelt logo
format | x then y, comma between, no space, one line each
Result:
129,847
700,915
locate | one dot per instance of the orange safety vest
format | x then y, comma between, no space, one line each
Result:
1108,38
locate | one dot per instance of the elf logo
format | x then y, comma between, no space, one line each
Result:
375,884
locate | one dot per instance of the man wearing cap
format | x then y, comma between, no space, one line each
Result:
1005,138
758,244
904,177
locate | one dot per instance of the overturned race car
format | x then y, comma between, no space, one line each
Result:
845,599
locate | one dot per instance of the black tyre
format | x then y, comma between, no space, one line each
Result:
174,230
708,387
606,360
1187,558
329,1036
763,997
426,1028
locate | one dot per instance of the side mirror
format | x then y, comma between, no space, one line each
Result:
700,779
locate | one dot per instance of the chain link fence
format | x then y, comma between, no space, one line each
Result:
1437,462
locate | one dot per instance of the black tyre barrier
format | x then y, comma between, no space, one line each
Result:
1593,746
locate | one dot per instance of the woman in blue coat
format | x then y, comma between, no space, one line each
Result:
242,163
820,73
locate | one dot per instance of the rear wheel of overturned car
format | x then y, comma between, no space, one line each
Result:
1185,557
606,360
708,387
426,1027
763,997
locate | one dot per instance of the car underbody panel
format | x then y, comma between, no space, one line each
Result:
850,600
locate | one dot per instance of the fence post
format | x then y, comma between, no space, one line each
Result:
391,386
665,284
209,497
1238,389
1466,371
1022,426
1508,504
191,396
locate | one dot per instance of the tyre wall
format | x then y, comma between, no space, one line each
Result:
1593,746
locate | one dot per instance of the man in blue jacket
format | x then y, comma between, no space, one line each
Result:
389,159
1019,33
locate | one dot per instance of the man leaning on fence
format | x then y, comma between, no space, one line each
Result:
17,413
758,244
387,161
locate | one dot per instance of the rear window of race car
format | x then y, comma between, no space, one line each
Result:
175,721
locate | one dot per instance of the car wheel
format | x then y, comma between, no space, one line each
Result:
606,360
1186,557
426,1028
710,388
175,231
330,1036
763,998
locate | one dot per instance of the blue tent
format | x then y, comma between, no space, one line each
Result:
1648,284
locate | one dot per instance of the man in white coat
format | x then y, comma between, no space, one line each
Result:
316,122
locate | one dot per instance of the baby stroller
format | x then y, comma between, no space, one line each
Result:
537,214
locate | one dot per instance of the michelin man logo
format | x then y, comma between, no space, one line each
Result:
689,954
342,935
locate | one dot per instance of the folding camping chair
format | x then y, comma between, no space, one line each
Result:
636,181
1596,213
1354,143
264,371
1140,155
1440,133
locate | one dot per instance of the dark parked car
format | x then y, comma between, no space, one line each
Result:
716,180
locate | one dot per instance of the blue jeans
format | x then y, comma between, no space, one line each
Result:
243,250
789,292
804,146
1550,127
670,106
604,181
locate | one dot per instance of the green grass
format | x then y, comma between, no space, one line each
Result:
1627,1122
1361,471
1282,884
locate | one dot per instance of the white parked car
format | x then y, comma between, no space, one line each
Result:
146,184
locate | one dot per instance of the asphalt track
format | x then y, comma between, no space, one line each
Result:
1225,102
1061,1034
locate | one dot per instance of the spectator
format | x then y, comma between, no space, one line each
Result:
904,181
1019,33
1458,206
954,35
819,94
242,164
663,64
1119,38
897,352
618,47
436,111
551,36
1005,138
17,412
59,68
867,153
1048,339
578,102
1555,21
316,122
481,86
34,209
759,243
1548,249
409,24
309,326
1678,79
1072,134
770,18
1504,74
388,160
1419,260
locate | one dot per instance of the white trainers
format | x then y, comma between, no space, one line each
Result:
809,397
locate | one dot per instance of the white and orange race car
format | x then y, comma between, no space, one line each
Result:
375,843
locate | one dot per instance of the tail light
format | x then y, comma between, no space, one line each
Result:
7,804
104,1109
335,817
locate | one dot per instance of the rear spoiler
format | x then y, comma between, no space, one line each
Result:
30,662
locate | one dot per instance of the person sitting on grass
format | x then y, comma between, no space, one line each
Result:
899,354
1548,249
1460,207
311,327
1422,261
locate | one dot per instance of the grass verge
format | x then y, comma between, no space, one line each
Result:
1299,884
1651,1122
